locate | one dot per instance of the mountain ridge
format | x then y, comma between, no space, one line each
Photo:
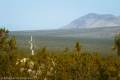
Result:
93,20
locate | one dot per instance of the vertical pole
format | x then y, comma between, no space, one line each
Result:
31,46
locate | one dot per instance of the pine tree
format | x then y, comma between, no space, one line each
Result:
6,43
117,43
44,49
12,43
78,47
66,50
4,40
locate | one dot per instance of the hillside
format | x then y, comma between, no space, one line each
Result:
94,39
93,20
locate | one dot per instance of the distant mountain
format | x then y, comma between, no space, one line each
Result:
93,20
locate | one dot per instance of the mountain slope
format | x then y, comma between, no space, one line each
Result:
93,20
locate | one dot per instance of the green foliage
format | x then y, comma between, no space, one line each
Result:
6,43
12,43
50,65
66,50
4,63
54,66
3,32
78,47
117,43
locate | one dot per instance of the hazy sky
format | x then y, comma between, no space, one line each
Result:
50,14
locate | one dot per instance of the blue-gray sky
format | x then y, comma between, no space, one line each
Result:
50,14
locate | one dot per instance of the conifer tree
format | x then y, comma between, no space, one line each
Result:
78,47
6,43
44,49
4,39
117,43
12,43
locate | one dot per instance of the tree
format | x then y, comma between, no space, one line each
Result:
78,47
66,50
3,32
6,43
117,43
12,43
4,40
44,49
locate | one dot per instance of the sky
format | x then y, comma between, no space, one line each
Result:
50,14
